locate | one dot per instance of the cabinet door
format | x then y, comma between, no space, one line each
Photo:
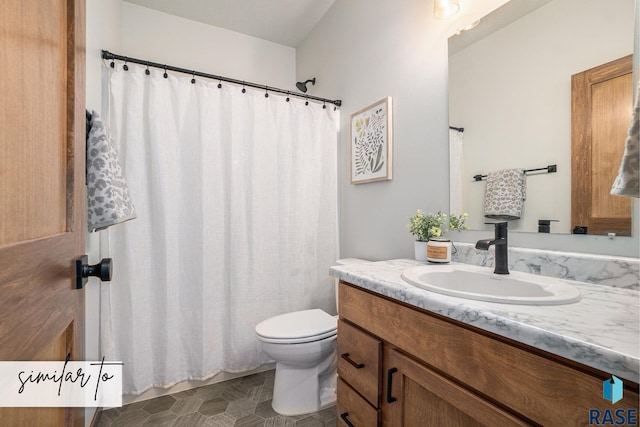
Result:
415,395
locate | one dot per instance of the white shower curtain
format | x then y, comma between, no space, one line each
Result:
236,201
456,171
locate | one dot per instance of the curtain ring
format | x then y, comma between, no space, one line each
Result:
125,66
324,105
287,99
147,72
193,77
165,75
219,84
244,90
266,91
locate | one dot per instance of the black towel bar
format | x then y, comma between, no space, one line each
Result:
549,169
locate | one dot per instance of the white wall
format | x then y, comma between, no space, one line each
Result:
103,32
103,24
362,51
511,91
365,50
163,38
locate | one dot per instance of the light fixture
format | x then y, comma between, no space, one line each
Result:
444,9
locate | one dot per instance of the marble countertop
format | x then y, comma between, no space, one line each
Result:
602,330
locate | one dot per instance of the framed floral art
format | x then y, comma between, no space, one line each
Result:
371,143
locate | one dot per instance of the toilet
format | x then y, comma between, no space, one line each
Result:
303,344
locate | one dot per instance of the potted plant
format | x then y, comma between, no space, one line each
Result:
429,226
456,222
425,227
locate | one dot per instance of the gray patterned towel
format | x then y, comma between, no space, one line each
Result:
505,194
108,199
627,182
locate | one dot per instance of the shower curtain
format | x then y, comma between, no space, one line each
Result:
236,200
456,171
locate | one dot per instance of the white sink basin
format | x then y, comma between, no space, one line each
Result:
479,283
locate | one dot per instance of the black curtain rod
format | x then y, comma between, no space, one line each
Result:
549,169
108,55
455,128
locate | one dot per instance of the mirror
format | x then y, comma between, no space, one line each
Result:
510,90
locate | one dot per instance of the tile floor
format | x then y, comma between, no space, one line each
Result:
242,402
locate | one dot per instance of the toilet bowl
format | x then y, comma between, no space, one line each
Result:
303,344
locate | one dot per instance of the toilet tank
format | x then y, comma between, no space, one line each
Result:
345,261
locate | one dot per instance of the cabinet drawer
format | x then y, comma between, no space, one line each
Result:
359,361
352,408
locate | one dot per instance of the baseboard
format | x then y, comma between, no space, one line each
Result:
186,385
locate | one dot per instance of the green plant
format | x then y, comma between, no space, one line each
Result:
426,226
456,222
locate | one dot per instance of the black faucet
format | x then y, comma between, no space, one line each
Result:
500,241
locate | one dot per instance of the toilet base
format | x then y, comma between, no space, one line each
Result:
303,391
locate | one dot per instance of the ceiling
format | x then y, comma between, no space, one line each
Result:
499,18
286,22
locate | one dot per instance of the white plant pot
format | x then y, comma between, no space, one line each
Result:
439,250
421,251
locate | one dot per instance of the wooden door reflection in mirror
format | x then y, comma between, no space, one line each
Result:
601,106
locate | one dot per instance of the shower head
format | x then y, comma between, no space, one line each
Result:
302,86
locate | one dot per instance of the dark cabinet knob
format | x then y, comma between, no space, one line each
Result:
103,270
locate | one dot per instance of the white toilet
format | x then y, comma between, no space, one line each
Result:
303,344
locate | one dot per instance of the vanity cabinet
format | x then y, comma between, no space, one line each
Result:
435,371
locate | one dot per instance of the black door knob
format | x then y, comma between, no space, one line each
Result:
103,270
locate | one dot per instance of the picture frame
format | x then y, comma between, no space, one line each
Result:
371,143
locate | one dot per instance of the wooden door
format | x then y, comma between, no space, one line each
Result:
427,399
601,107
42,194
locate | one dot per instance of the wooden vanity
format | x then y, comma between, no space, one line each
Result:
400,365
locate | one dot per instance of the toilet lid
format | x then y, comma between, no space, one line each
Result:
298,325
